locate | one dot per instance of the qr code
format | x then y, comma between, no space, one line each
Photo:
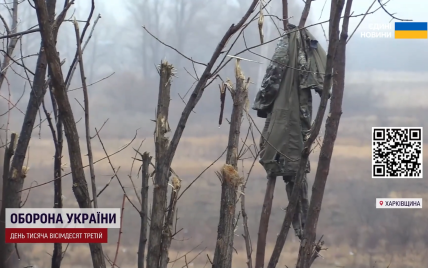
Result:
397,152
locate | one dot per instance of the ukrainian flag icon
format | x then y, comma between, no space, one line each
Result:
411,30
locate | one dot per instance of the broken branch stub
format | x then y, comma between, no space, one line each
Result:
230,178
160,188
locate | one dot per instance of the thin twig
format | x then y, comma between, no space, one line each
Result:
87,125
105,186
120,231
361,21
99,160
197,177
130,172
73,65
114,170
173,48
391,15
102,79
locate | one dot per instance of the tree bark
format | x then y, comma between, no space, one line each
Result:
14,182
57,137
230,177
8,257
167,233
160,189
58,142
285,14
146,158
12,42
86,105
264,223
80,187
306,252
316,126
57,252
305,14
246,235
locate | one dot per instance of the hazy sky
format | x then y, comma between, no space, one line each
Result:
364,53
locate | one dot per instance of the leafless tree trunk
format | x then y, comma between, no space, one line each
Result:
230,177
305,14
8,257
13,184
316,126
86,105
264,222
285,14
57,254
307,252
168,233
160,189
57,138
80,187
12,41
146,159
246,235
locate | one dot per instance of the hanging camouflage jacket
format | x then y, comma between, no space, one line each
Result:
285,100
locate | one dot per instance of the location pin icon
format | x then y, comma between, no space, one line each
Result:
381,203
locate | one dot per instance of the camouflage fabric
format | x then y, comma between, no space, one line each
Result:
272,79
285,100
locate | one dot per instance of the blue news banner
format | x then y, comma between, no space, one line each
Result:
67,225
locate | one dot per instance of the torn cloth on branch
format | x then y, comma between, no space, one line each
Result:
285,100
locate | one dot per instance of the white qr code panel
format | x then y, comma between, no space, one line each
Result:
397,152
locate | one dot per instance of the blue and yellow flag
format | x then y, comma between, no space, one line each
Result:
411,30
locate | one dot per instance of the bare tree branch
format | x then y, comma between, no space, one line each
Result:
19,34
99,160
87,125
305,14
120,232
391,15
